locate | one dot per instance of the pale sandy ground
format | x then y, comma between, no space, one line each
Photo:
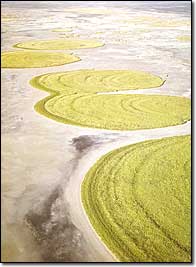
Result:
44,162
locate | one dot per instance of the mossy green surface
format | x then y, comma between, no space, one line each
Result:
184,38
58,44
138,200
23,59
120,112
92,81
75,100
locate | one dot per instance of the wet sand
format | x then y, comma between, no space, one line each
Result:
43,161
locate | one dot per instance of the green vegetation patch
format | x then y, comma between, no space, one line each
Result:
138,200
119,112
23,59
75,100
58,44
184,38
92,81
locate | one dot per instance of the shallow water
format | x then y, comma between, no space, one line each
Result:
43,162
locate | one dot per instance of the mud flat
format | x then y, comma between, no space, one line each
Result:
44,162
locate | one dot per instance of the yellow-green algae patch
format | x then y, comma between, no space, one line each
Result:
23,59
138,199
7,17
118,112
184,38
58,44
75,100
91,81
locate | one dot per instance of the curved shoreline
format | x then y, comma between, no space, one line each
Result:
53,94
90,159
87,218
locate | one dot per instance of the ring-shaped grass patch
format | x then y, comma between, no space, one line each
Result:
58,44
138,200
24,59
